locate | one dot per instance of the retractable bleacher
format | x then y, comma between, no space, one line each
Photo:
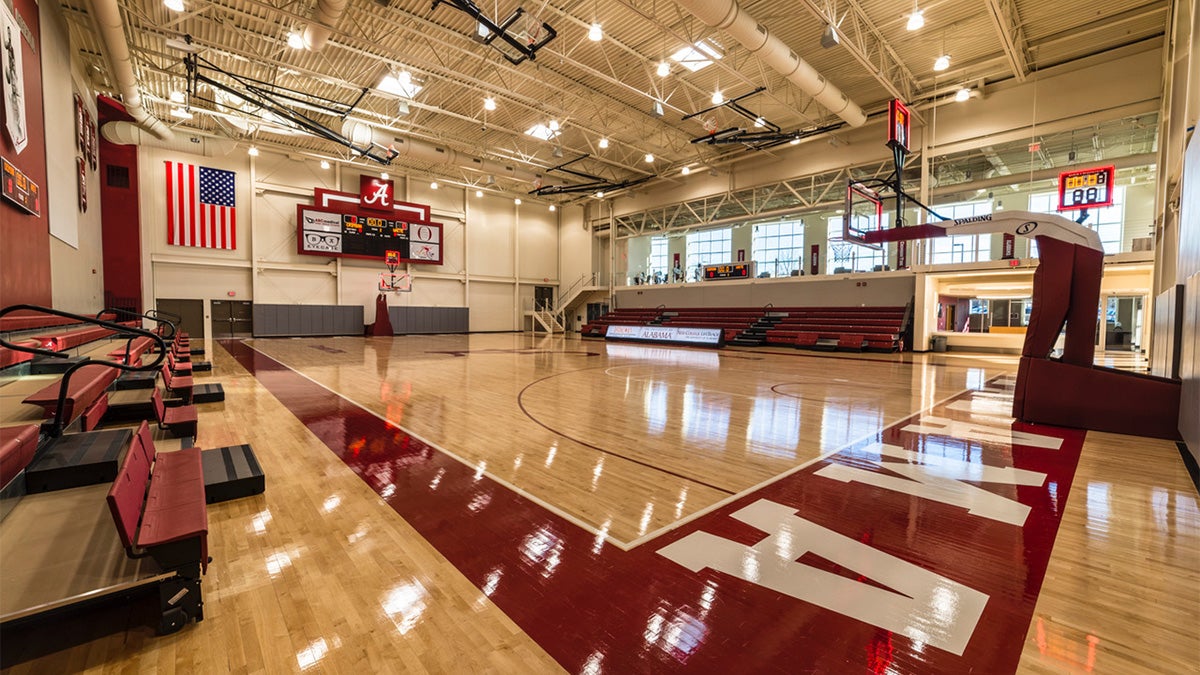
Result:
876,329
60,554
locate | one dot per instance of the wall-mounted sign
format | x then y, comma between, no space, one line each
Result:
361,226
12,72
18,189
81,173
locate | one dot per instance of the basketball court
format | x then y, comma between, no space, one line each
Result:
533,500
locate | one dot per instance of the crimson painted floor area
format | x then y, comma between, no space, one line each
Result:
922,550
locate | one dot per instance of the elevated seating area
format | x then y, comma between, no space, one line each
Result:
879,329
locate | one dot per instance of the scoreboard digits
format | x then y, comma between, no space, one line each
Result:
727,271
1086,189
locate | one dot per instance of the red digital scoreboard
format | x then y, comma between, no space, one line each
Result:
1087,188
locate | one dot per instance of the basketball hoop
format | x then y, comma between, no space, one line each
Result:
392,281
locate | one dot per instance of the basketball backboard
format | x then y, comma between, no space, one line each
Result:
863,213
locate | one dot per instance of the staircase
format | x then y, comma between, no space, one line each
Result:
756,335
549,320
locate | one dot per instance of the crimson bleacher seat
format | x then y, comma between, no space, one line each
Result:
179,420
34,320
131,353
177,385
619,317
17,445
71,339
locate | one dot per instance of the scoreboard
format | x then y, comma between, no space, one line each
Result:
1086,188
358,235
728,271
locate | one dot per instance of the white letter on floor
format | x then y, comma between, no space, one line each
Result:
939,479
923,605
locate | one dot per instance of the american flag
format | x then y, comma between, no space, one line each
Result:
200,206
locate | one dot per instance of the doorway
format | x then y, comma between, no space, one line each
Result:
191,312
543,297
232,318
1119,328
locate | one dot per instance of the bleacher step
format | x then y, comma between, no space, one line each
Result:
201,366
231,472
135,381
75,460
49,365
211,392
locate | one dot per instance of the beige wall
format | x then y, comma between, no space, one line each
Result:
494,251
76,258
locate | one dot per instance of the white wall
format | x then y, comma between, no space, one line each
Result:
76,257
494,251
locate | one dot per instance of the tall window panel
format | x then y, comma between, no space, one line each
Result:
778,248
964,248
710,247
658,256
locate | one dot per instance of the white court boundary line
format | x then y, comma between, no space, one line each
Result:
575,520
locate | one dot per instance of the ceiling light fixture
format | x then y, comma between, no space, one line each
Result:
295,40
603,143
433,185
517,201
600,195
794,141
942,62
916,20
384,175
324,164
962,94
685,170
718,98
830,37
760,122
553,208
553,125
664,69
489,103
253,151
479,193
174,5
595,33
649,158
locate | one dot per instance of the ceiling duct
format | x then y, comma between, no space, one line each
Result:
325,17
729,17
365,134
112,34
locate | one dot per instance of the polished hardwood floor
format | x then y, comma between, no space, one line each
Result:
508,503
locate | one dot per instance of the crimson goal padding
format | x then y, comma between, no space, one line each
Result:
1100,399
1072,392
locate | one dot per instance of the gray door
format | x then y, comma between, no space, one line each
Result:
232,318
192,312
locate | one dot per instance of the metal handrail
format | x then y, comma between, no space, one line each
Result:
570,294
56,427
150,315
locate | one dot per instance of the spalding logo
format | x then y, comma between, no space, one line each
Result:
1026,227
972,219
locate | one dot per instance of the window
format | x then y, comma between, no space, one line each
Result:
1109,222
658,256
778,248
710,247
844,256
965,247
